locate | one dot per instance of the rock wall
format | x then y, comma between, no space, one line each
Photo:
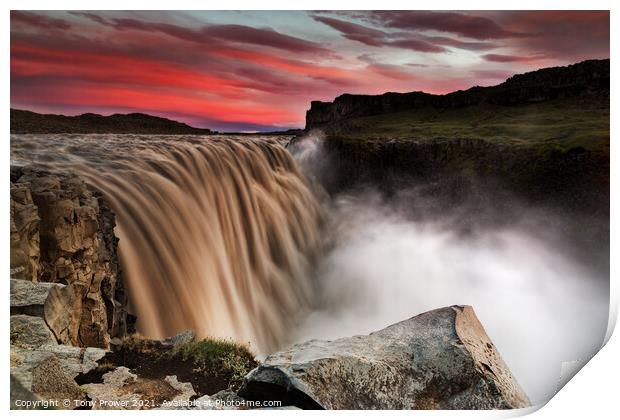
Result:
585,78
62,232
575,179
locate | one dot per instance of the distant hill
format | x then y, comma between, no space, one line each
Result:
588,78
31,122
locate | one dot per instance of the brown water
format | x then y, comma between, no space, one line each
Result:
217,234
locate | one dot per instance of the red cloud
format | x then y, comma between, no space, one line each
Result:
235,75
37,20
462,24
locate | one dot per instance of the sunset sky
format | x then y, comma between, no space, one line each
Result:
257,71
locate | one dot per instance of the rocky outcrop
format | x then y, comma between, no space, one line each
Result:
586,78
62,232
28,298
124,390
25,251
460,169
30,331
74,360
442,359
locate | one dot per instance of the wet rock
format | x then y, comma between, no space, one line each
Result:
70,242
30,331
51,381
440,359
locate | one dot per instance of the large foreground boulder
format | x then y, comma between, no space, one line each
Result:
442,359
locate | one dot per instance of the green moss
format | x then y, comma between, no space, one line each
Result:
560,124
218,357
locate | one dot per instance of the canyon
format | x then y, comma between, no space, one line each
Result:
270,240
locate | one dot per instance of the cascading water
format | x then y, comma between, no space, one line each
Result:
216,235
220,235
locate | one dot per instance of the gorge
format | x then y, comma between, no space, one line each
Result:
341,231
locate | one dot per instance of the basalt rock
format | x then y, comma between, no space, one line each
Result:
30,331
73,228
25,249
28,298
442,359
589,77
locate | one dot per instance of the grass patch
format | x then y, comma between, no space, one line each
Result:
561,124
210,365
218,357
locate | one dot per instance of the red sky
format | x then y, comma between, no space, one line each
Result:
247,71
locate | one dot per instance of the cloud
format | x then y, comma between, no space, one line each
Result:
185,65
390,71
354,32
413,40
466,25
501,58
264,37
377,38
37,20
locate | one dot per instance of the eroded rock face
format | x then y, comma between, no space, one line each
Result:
441,359
62,232
24,234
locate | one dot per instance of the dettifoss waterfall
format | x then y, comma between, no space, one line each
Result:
227,235
216,236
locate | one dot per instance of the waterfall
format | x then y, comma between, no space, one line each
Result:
217,234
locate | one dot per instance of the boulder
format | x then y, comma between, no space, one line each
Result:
62,232
28,298
442,359
74,360
30,331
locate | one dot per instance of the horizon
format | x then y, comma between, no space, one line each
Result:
258,71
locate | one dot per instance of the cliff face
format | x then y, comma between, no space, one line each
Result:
575,179
62,232
586,78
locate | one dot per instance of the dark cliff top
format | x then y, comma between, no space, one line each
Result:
587,78
23,122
